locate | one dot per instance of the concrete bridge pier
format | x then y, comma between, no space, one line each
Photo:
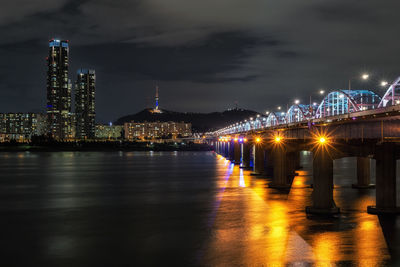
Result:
297,161
385,180
269,162
363,173
218,147
246,150
225,149
231,150
322,194
258,156
293,162
281,168
236,152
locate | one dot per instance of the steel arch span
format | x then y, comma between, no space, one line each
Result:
392,95
275,118
298,113
347,101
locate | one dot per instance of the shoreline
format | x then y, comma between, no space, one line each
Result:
106,146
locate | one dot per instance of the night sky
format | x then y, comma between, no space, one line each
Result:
204,54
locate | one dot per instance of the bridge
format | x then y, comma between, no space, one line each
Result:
347,123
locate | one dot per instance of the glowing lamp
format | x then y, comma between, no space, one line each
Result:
235,139
322,140
258,140
278,139
240,140
245,139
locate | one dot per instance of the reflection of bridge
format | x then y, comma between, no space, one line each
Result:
347,123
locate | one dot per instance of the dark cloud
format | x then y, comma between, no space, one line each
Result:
204,54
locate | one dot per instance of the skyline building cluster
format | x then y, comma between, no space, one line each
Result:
154,130
64,124
61,122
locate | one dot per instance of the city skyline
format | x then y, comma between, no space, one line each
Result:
256,60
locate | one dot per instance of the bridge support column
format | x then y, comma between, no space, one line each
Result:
236,152
280,160
292,163
231,150
218,147
322,194
226,149
297,161
269,163
246,149
385,180
363,173
258,168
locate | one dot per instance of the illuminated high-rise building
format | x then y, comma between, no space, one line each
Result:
58,90
85,104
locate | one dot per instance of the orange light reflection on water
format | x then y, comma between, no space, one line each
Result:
256,226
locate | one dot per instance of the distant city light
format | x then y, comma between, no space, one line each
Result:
365,76
297,101
322,92
384,83
279,107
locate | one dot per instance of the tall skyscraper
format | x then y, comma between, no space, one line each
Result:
58,90
85,104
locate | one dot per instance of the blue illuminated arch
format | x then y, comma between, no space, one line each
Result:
275,118
298,113
347,101
392,95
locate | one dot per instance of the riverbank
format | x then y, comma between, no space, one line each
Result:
103,146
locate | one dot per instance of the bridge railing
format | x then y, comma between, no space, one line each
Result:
336,105
389,110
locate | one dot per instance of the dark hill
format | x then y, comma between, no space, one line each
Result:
201,122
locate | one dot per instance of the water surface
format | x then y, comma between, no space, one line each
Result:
178,208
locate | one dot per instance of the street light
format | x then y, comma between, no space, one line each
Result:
279,107
384,83
364,77
297,101
321,92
